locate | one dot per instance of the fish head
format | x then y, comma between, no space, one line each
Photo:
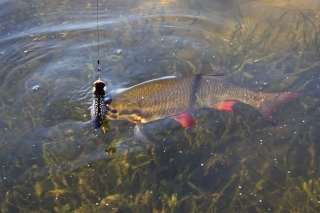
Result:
98,109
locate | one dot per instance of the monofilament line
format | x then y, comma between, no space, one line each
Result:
98,60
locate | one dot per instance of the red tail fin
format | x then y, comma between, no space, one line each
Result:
271,101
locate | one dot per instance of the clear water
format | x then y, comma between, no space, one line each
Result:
50,160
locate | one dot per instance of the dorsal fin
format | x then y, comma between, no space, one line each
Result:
219,76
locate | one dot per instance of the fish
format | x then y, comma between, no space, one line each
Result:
98,109
175,97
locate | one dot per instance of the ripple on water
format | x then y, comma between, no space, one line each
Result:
51,161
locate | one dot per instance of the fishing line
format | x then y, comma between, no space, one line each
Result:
98,60
99,107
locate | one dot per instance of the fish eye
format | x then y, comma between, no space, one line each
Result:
94,89
105,88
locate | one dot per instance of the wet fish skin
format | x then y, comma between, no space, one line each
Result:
170,96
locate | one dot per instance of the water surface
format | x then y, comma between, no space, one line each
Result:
230,162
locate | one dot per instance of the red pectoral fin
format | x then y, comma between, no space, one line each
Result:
225,105
185,119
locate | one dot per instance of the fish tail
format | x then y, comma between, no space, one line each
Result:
268,102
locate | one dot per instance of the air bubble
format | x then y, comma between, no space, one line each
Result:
36,88
231,44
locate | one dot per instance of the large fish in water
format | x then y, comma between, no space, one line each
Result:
176,96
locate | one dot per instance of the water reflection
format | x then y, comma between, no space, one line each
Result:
51,161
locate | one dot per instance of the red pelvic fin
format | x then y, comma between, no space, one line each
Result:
185,119
225,106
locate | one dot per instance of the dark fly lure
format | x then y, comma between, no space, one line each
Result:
98,109
100,103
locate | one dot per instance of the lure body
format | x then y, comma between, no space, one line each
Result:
98,109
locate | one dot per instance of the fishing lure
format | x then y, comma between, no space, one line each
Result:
98,109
